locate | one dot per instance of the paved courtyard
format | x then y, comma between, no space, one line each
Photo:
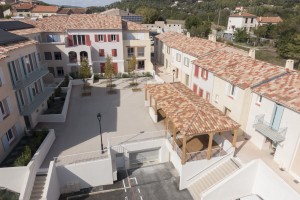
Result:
123,113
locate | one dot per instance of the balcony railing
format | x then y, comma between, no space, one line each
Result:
32,77
266,129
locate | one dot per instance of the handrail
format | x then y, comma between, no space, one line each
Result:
210,165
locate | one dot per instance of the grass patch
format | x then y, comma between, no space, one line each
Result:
270,57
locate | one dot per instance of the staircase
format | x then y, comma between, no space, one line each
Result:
212,178
38,187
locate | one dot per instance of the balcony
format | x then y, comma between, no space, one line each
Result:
38,100
30,78
266,129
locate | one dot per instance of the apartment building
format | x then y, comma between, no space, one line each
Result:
273,123
226,79
66,40
241,20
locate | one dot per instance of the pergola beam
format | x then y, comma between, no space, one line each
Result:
235,135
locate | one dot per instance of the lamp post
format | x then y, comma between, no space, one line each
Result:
173,74
99,119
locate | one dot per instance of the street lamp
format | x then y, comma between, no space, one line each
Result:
99,119
173,74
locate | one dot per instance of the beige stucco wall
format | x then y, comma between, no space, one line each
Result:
42,15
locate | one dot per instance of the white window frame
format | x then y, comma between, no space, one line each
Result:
113,38
101,38
9,138
2,108
178,57
186,62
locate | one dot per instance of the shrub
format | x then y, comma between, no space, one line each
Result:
24,158
119,75
75,75
65,83
125,75
148,74
57,92
133,84
96,77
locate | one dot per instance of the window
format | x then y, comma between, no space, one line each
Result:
57,55
60,71
141,64
100,38
113,38
130,51
186,61
101,53
114,52
204,74
217,98
72,57
140,51
195,88
29,63
200,92
246,20
10,135
168,50
252,19
259,100
51,70
207,96
178,57
2,109
196,73
79,40
53,38
5,108
21,99
48,55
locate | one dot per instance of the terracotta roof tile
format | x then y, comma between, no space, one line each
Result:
14,46
45,9
269,19
242,71
22,6
26,31
284,90
128,25
190,114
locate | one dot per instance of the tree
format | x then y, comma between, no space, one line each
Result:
109,70
265,31
131,67
290,48
150,15
241,35
85,71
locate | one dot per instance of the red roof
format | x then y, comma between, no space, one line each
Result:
23,6
45,9
244,14
269,20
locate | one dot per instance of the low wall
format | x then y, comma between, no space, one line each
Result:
12,178
58,117
174,158
77,82
34,165
158,79
52,190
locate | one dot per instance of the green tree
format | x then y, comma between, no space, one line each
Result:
131,67
290,48
109,71
150,15
85,71
241,35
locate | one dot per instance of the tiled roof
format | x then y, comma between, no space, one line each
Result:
190,114
45,9
2,56
194,46
128,25
64,11
14,46
79,10
61,23
269,19
117,12
22,6
284,90
26,31
242,71
68,11
244,14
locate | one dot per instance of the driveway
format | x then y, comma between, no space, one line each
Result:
154,182
123,113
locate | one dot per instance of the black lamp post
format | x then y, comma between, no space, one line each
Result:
173,74
155,67
99,119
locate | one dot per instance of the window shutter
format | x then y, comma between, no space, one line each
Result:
202,72
70,40
109,38
10,107
206,75
115,68
117,38
200,92
196,71
88,40
104,38
96,38
195,87
113,52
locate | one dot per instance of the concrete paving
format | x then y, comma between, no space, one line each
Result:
154,182
123,113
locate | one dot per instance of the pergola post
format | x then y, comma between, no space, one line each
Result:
167,124
150,101
146,94
211,135
183,159
174,136
155,107
235,134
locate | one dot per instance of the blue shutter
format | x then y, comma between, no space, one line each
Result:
276,118
5,143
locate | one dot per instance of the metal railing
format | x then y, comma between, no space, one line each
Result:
81,157
200,155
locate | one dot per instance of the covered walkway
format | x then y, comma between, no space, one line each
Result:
188,117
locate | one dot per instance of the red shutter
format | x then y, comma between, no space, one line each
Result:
115,68
196,74
104,38
102,67
200,92
114,52
195,87
96,38
202,71
206,74
118,38
109,38
70,40
87,40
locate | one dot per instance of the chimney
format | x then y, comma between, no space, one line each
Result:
188,34
240,13
212,37
251,53
289,65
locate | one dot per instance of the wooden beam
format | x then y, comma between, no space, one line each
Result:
174,136
166,124
235,135
150,101
155,107
146,94
183,159
211,135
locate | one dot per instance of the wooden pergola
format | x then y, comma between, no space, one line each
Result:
189,114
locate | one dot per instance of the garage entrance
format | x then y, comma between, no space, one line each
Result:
144,157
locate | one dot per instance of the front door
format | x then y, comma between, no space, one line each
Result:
276,117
